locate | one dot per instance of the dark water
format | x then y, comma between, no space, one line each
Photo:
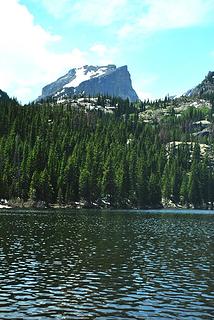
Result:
106,265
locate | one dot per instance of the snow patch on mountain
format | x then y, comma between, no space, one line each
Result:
85,73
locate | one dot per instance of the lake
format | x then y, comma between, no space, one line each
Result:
88,264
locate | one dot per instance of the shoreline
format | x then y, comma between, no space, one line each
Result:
29,205
2,206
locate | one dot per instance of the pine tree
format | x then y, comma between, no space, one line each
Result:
184,191
154,189
194,187
84,185
108,183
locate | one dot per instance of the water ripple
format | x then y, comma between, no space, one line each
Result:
109,265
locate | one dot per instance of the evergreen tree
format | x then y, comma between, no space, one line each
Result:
108,183
194,193
154,189
84,185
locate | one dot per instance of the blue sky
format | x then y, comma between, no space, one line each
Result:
167,44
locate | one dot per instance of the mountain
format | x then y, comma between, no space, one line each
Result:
92,80
205,88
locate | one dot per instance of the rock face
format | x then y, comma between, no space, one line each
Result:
92,80
205,88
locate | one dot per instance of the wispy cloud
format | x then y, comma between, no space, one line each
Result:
143,86
127,29
163,14
159,15
56,8
99,12
94,12
134,15
103,53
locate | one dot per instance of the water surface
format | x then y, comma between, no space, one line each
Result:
79,264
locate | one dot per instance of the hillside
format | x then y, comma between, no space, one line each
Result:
205,88
107,152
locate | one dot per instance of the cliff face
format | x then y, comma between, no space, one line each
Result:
117,83
93,80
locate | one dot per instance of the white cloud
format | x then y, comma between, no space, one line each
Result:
26,61
144,87
157,15
135,15
100,49
125,30
99,12
95,12
56,8
143,95
169,14
104,54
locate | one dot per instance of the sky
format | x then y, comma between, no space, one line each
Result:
168,45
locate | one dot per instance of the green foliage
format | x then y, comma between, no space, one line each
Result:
58,153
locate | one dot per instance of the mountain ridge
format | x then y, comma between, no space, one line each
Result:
203,89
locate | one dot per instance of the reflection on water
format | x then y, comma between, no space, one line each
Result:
106,265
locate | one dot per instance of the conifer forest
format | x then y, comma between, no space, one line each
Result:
133,155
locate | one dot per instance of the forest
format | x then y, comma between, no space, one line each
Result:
62,154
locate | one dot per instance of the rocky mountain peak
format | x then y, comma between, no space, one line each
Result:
205,88
92,80
210,77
